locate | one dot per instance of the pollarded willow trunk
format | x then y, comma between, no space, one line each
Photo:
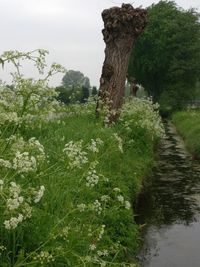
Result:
122,26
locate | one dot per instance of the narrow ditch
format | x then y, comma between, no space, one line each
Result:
170,208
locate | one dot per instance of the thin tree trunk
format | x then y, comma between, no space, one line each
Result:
133,86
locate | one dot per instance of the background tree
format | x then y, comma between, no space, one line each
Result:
94,91
75,87
73,78
85,94
85,90
197,91
166,57
64,95
86,82
70,95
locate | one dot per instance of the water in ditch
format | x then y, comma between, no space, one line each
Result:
170,209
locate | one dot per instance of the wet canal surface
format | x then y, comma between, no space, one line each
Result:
170,209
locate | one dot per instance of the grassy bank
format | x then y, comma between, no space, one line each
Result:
91,174
119,168
188,125
67,179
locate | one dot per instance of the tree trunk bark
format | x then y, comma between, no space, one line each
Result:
133,86
122,26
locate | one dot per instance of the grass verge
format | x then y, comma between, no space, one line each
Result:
81,215
188,125
121,180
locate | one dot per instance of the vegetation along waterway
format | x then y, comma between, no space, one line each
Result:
170,209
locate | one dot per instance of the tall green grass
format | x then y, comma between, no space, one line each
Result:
188,125
80,221
65,190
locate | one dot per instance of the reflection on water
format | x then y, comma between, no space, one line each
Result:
171,208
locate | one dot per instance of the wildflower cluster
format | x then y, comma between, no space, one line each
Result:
17,143
39,194
105,111
24,156
93,146
126,203
2,249
22,104
74,152
142,113
27,100
5,164
77,156
13,222
96,206
92,178
44,257
101,232
80,109
1,184
18,203
120,142
81,207
23,162
15,200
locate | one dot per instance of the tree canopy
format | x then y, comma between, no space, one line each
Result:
166,58
75,87
73,78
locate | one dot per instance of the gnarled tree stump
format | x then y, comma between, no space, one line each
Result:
122,26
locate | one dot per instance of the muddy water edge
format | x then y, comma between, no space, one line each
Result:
169,208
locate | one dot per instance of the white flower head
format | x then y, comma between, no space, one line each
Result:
13,222
92,247
120,142
44,257
39,194
97,206
120,198
74,152
127,205
5,163
105,198
92,178
1,184
23,162
81,207
116,189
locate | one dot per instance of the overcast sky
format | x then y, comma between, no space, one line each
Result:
69,29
